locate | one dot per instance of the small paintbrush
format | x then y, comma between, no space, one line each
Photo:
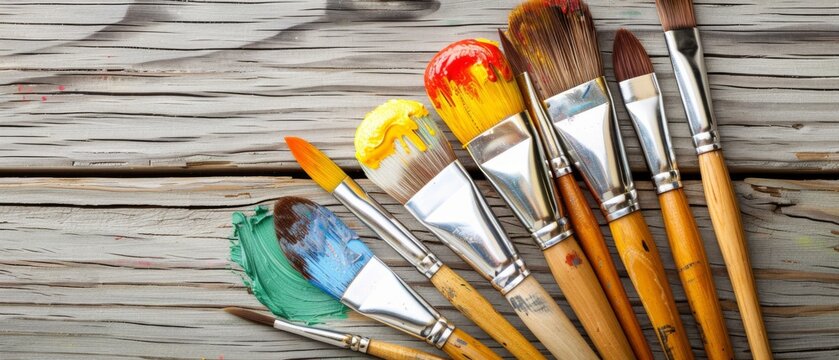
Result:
452,286
685,47
474,90
558,41
357,343
585,224
418,168
332,257
643,101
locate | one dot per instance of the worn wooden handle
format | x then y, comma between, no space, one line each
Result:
546,320
594,245
640,257
388,351
725,217
576,278
695,273
461,346
475,307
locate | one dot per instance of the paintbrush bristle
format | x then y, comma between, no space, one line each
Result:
318,244
472,87
315,163
676,14
410,159
513,57
558,41
251,315
629,57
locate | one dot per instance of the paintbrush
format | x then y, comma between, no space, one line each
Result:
686,54
559,43
473,88
420,171
454,288
643,101
357,343
582,218
332,257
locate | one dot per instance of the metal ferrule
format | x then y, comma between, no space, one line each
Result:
510,156
643,102
330,337
379,294
688,61
557,161
452,208
387,227
584,118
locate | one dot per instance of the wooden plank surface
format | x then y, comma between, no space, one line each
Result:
137,268
172,86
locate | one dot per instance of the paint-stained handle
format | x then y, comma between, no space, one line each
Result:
576,279
461,346
546,320
695,273
591,240
725,217
388,351
475,307
640,257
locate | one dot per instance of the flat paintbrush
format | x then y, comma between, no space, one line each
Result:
416,165
332,257
454,288
474,90
585,224
643,101
683,42
558,41
357,343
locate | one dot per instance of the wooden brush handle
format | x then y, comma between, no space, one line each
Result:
576,278
461,346
546,320
725,216
695,273
594,245
388,351
475,307
640,256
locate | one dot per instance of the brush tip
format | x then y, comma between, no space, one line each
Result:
676,14
315,163
250,315
318,244
629,56
385,128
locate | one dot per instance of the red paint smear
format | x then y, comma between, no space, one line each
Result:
60,87
572,259
43,98
452,64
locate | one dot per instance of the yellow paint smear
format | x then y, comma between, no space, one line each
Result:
389,125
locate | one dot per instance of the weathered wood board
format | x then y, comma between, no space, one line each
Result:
137,268
166,86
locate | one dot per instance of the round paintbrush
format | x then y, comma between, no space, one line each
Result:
452,286
558,42
639,86
685,47
416,165
474,90
332,257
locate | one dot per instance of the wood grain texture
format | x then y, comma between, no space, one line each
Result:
462,346
101,268
388,351
173,86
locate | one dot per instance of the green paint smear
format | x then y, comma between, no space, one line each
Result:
271,278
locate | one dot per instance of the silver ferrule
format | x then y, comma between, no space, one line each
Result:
330,337
381,295
557,161
688,61
510,156
642,98
584,118
452,208
384,224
